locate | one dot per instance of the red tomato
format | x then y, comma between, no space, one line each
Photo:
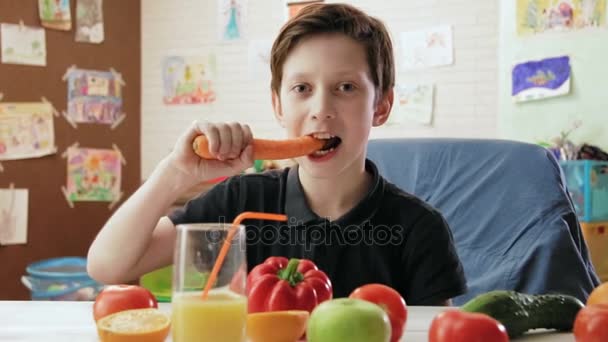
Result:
116,298
591,323
460,326
390,300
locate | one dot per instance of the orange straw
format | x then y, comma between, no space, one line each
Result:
237,221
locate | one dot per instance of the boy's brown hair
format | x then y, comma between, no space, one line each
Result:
338,18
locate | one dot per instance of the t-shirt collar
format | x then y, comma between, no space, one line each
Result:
299,213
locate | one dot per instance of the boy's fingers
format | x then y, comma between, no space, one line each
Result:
197,127
225,138
237,140
248,138
213,136
188,136
245,159
241,163
226,141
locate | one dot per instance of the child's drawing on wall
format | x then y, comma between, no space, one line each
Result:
427,47
55,14
537,16
539,79
189,80
94,96
23,44
413,102
26,130
89,21
231,19
93,174
13,216
259,58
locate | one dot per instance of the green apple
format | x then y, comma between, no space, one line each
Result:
348,319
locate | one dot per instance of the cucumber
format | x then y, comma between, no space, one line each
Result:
520,312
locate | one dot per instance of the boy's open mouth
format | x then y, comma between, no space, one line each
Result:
331,143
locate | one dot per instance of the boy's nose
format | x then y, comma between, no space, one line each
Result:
323,109
325,115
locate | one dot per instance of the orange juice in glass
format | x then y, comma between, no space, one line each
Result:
222,315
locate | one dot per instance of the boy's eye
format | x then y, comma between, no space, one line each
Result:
346,87
299,88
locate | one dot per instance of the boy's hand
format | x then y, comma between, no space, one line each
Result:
230,143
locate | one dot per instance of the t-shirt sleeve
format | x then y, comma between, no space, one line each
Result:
215,205
434,272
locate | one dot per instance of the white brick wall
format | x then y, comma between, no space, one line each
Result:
465,92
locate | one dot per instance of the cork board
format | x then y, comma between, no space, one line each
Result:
55,229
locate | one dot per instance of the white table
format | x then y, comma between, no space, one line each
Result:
73,321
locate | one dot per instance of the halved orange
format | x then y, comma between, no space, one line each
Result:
277,326
137,325
599,295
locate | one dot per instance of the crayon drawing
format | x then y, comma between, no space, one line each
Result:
55,14
94,96
231,19
534,80
26,130
538,16
414,102
259,58
93,174
189,80
89,21
23,44
13,216
427,48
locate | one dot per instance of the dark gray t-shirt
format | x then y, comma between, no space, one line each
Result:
389,237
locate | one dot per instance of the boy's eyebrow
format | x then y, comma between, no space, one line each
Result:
296,76
338,73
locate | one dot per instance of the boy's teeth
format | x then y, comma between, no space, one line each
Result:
322,153
322,135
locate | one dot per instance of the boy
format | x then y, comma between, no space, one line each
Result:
332,77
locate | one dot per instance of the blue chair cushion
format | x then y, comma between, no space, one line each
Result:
513,221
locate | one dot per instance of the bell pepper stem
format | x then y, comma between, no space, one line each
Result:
290,273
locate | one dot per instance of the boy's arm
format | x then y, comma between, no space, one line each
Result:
137,238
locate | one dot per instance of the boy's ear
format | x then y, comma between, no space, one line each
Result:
276,106
383,108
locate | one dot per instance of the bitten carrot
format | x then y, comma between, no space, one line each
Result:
264,149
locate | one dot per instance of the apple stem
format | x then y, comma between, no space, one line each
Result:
290,273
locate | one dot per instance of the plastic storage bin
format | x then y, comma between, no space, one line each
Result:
596,237
63,278
587,182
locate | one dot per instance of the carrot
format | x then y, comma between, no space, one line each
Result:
264,149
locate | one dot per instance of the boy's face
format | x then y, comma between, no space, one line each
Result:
327,89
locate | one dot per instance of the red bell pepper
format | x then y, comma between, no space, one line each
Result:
281,284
